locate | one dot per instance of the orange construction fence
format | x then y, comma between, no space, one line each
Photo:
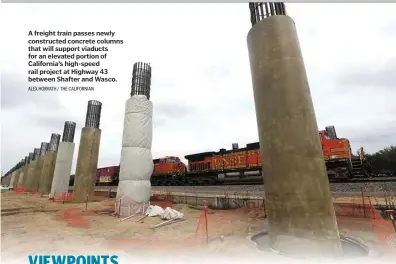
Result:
19,190
365,208
65,196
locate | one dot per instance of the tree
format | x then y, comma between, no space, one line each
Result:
384,161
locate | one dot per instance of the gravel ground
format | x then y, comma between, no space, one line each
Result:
368,188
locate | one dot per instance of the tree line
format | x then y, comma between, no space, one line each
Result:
383,161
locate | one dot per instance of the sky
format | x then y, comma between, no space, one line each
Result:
201,84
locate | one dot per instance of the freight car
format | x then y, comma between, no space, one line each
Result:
107,176
243,165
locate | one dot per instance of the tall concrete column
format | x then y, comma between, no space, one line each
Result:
18,173
136,165
23,172
299,205
31,170
12,178
13,174
28,169
64,160
47,172
39,167
88,153
16,178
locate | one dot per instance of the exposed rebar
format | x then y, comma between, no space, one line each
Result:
331,132
68,131
141,79
92,118
260,11
30,157
54,143
36,153
43,149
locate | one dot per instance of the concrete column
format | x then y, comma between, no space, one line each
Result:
47,172
12,178
87,162
23,176
26,177
16,179
300,211
63,165
37,175
31,176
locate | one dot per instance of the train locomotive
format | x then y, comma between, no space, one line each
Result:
243,165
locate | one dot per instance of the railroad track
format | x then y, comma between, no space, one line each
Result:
375,179
353,180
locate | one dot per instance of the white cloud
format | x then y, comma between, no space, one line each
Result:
201,86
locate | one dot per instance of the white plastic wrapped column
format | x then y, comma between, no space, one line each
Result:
136,166
63,165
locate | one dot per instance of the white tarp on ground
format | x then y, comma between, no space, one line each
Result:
63,166
136,165
168,213
154,210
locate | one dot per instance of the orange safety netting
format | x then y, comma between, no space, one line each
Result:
201,231
365,208
154,200
19,190
66,196
384,231
355,207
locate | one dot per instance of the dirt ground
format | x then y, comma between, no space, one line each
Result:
35,225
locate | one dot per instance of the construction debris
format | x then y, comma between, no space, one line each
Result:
140,219
168,222
126,218
170,213
154,211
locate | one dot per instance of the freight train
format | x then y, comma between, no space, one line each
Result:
243,165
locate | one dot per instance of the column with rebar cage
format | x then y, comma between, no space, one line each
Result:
141,79
64,160
48,168
136,164
88,154
299,219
